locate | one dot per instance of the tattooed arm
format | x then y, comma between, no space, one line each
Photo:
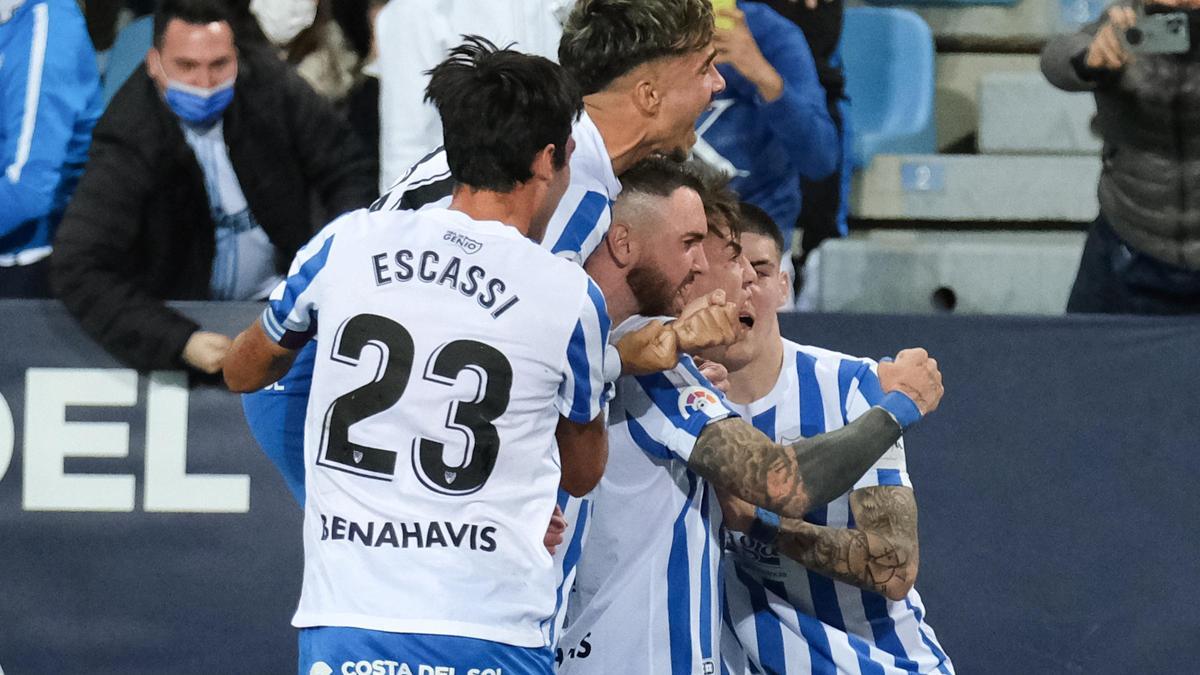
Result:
880,555
791,479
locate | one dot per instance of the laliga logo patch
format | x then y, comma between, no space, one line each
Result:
696,399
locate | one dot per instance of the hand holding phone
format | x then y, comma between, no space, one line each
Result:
1158,34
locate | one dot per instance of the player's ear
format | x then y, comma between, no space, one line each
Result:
646,96
543,164
620,244
785,287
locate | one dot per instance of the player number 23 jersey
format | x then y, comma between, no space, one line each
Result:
447,351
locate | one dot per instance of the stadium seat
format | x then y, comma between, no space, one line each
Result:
888,56
127,54
999,188
940,271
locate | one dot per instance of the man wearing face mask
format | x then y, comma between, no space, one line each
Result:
204,179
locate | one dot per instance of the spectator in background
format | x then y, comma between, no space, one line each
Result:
414,36
49,102
103,19
332,46
823,213
201,185
1142,254
308,37
361,105
770,126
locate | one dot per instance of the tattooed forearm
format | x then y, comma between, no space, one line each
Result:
791,479
831,463
881,555
735,456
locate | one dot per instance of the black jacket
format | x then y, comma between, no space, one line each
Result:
139,231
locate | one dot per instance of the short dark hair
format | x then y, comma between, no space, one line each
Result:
720,201
605,39
196,12
659,176
499,109
756,221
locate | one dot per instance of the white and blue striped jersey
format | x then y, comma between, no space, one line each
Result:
648,597
577,226
449,348
786,619
574,232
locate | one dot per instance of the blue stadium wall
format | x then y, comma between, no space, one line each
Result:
141,531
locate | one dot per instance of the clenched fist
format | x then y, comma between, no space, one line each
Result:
916,375
206,351
707,322
649,349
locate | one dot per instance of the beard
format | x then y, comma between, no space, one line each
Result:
653,291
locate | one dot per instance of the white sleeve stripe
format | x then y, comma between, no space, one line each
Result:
271,325
33,90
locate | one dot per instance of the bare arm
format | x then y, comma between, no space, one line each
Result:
583,449
792,479
880,555
255,360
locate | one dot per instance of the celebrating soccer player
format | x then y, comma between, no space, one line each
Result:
646,70
648,585
452,347
832,592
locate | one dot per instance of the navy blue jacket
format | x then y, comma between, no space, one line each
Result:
769,146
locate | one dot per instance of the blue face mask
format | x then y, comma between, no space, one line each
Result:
197,105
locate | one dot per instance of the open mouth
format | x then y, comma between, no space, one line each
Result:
747,320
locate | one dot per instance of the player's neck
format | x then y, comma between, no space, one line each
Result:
616,118
757,378
511,208
618,297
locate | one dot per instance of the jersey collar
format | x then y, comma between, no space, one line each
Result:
590,148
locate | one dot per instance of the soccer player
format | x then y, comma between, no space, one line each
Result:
648,598
832,592
646,70
647,73
430,441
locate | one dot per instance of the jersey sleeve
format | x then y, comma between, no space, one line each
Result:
582,394
290,318
860,390
578,224
667,411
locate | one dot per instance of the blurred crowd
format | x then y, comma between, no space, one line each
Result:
141,166
214,159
